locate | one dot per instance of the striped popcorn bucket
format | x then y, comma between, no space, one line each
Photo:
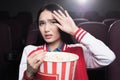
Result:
58,66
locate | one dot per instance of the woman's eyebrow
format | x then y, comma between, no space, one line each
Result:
41,20
52,19
48,20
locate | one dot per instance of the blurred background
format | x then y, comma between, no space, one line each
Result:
18,29
78,7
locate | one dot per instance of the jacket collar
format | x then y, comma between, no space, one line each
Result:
64,46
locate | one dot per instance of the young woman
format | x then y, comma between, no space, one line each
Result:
56,27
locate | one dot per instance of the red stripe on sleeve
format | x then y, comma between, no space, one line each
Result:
76,32
79,35
82,36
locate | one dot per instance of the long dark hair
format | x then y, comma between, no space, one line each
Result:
66,38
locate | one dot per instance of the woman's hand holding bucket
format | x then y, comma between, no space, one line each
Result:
34,61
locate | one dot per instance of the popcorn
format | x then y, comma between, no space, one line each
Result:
60,57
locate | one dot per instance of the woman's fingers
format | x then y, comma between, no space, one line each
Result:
60,17
61,13
35,59
57,14
57,18
67,14
35,53
40,59
66,22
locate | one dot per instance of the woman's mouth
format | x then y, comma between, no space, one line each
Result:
48,36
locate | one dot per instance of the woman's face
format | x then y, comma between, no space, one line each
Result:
47,27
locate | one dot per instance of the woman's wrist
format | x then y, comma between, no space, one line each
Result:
74,30
27,77
29,74
79,34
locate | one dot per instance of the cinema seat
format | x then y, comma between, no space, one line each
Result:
80,20
109,21
114,44
32,34
5,49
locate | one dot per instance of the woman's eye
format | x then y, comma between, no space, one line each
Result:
41,23
54,21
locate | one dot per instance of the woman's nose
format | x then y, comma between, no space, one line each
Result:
47,27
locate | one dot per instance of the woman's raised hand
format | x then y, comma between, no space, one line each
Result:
66,23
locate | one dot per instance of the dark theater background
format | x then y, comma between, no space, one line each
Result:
18,29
